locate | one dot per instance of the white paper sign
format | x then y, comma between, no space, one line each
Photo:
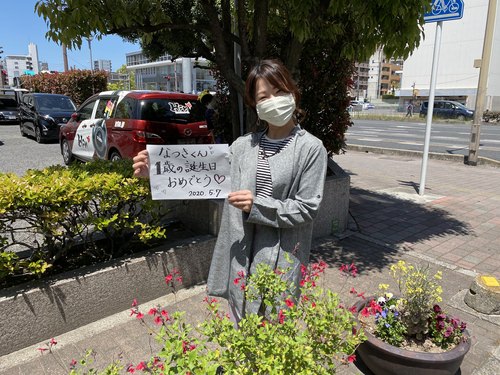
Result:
198,171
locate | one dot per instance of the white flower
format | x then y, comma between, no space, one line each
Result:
381,300
389,295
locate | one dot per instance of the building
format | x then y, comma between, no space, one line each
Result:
461,44
103,65
384,75
18,65
184,74
360,80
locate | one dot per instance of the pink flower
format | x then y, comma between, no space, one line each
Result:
141,366
236,281
353,269
351,358
140,315
353,309
168,278
158,320
289,302
164,313
313,305
131,369
242,286
303,270
72,364
353,291
153,311
53,342
175,271
134,303
241,274
179,279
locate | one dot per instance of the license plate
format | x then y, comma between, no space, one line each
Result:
11,117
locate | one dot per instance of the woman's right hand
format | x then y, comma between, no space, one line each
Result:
141,164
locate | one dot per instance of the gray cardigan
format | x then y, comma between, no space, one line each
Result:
275,225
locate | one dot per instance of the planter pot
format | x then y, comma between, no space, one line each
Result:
384,359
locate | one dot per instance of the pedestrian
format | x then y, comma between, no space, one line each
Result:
277,180
409,110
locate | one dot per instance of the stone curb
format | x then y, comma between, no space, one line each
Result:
39,310
432,155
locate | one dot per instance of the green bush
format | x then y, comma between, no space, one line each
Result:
77,84
59,216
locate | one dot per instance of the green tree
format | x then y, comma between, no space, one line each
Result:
127,84
262,28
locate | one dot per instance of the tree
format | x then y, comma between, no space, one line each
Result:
262,28
127,84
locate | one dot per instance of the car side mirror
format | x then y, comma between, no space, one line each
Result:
75,116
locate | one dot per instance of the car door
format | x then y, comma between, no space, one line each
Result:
438,109
83,145
28,115
448,110
100,133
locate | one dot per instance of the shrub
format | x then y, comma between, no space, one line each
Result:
77,84
59,215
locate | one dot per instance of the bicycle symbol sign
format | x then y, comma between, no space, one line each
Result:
445,10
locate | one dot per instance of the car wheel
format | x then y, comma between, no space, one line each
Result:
460,117
21,127
66,152
115,155
38,134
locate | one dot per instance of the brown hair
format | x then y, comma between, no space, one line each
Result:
274,72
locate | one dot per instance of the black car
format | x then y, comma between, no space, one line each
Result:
8,109
41,115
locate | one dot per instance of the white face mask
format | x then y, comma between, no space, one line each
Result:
278,110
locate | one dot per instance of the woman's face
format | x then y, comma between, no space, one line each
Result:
264,90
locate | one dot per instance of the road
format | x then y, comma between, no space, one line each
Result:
448,138
17,153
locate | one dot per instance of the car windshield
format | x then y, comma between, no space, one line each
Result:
460,105
172,110
7,103
55,103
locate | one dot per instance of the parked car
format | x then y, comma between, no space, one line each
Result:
448,109
118,124
41,115
359,105
8,109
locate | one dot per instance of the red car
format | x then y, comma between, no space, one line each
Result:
118,124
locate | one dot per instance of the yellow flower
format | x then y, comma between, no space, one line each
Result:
383,286
438,275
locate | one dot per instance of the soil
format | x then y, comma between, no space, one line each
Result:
410,343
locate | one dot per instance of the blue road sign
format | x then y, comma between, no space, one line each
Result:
445,10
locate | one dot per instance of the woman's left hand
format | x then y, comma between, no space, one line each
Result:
242,199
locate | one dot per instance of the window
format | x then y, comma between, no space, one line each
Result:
101,107
86,111
125,109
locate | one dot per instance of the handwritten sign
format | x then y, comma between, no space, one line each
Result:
198,171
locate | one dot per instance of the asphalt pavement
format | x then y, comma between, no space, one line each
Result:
453,227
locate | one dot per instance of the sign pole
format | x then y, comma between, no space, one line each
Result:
430,106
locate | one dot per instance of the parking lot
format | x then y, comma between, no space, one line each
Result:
17,153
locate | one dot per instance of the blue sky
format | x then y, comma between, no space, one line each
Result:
20,25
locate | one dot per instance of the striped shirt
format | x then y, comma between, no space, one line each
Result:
267,148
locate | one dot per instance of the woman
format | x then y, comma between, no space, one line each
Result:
277,179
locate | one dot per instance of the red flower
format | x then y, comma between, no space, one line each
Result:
158,320
281,317
375,307
241,274
353,309
351,358
365,312
52,342
168,278
289,302
313,305
242,286
140,315
362,295
179,279
353,291
131,369
353,269
134,303
236,281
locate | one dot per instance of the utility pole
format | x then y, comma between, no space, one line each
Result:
89,39
65,57
482,85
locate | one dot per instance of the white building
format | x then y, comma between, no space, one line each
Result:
16,66
103,65
461,44
183,74
33,53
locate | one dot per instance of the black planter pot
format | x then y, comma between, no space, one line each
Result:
385,359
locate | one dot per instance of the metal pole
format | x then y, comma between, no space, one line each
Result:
65,57
430,106
482,85
89,39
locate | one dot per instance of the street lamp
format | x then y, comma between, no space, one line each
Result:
89,39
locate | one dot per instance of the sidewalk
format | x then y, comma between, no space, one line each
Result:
455,227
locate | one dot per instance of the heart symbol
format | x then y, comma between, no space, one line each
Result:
219,179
